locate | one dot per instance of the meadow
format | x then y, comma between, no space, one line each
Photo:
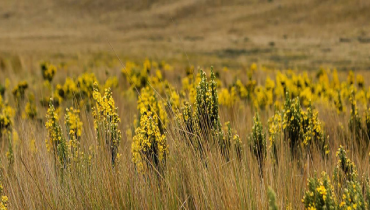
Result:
184,104
164,137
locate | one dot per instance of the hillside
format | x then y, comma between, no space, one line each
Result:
283,33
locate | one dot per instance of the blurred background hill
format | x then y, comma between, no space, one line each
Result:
304,34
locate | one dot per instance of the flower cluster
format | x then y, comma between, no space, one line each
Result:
74,130
227,98
81,90
303,129
106,121
345,176
3,199
339,104
19,90
242,90
352,197
136,76
320,193
69,88
6,116
263,96
56,141
206,104
325,88
148,101
292,123
86,84
149,144
174,100
274,131
140,76
189,84
201,125
48,71
345,169
313,131
111,82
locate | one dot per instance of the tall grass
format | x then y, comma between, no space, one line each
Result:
189,179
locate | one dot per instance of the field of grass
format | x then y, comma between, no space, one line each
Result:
115,105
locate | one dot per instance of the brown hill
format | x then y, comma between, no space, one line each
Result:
287,33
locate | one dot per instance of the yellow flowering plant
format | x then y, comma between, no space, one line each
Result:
303,129
149,147
19,90
347,183
48,71
339,104
201,124
241,89
74,131
56,141
313,132
147,101
4,199
174,100
352,197
70,88
111,82
274,133
206,105
319,194
137,77
292,125
345,169
106,121
6,116
86,84
257,140
227,98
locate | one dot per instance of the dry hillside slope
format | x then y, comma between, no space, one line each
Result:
287,33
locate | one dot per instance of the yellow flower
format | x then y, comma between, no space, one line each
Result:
4,199
106,116
146,135
48,71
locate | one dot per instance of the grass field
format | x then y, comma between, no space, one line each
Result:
115,105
